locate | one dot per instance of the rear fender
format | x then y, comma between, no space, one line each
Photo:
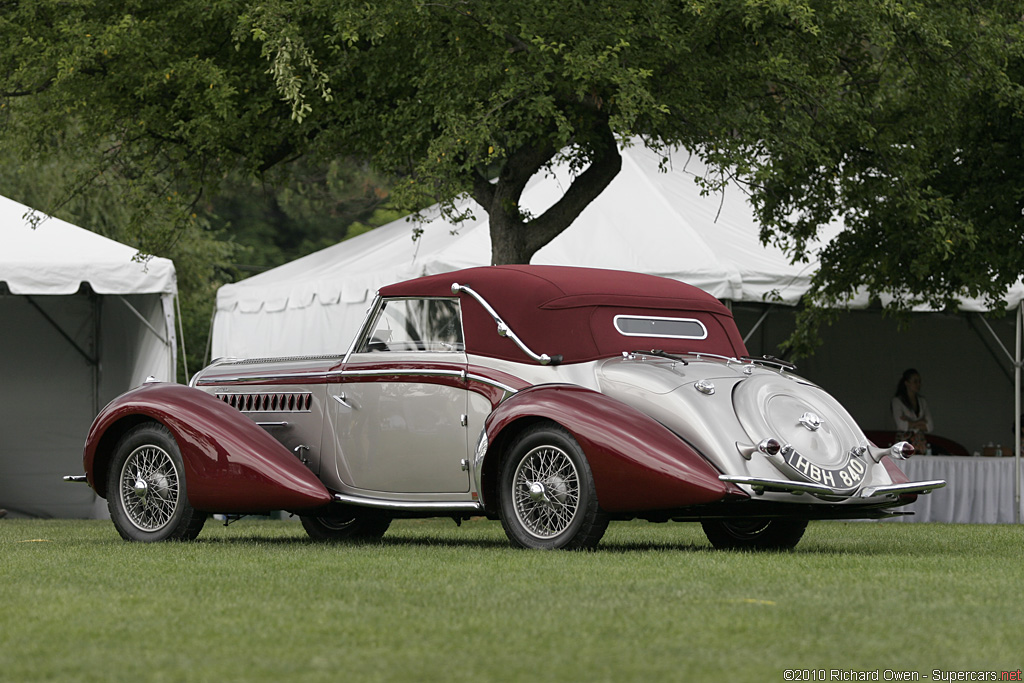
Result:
231,464
638,463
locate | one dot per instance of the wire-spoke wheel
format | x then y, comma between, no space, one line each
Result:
149,487
755,534
548,499
146,488
362,525
546,491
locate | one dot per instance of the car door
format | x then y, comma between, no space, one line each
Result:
399,404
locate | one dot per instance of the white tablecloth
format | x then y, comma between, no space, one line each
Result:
978,490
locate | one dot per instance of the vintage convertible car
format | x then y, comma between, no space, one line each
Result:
552,398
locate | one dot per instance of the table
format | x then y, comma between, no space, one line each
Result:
978,490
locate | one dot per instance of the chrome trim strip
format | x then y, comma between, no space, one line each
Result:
461,374
259,378
196,378
411,505
404,372
76,479
264,360
728,359
899,489
371,317
477,465
494,383
615,322
267,425
504,330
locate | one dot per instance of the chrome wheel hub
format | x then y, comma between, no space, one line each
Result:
546,492
537,493
150,491
141,489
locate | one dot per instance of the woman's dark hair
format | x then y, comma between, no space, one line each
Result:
901,388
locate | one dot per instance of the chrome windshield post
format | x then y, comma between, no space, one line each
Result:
504,330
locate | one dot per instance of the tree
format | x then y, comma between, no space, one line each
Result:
823,108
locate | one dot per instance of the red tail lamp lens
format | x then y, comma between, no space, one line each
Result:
902,450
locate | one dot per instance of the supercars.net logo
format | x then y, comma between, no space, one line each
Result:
897,675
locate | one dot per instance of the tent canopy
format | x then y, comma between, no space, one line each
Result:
56,258
83,321
650,219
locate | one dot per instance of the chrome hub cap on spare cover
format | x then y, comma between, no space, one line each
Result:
149,488
821,442
546,491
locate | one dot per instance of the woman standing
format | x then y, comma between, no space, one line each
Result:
910,411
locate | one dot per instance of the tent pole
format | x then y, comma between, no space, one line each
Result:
1016,413
757,325
181,336
145,322
97,306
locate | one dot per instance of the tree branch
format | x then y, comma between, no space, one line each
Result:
584,189
483,190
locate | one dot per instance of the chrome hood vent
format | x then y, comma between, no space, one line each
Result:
286,402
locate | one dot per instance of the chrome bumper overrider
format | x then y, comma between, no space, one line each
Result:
900,489
760,485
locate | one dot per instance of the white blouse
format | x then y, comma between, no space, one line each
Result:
903,415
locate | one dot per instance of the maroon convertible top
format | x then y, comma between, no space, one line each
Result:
570,311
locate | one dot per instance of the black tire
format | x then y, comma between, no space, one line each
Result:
755,534
368,525
547,498
146,489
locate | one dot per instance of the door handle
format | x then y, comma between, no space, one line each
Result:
343,400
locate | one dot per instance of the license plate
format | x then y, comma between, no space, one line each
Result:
846,477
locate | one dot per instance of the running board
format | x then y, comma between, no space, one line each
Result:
410,505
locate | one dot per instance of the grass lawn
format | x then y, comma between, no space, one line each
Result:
257,601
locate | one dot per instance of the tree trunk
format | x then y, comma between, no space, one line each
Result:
514,240
508,244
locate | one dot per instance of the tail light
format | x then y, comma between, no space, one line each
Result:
901,450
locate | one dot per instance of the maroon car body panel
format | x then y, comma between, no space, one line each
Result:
231,464
637,463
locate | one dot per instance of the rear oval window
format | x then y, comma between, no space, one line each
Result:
649,326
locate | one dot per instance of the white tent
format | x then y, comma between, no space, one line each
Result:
657,221
81,321
646,221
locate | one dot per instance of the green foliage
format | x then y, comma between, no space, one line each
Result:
298,209
258,601
899,116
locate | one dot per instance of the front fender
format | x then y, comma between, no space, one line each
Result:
638,463
231,464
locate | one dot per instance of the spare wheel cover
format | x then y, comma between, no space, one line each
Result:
801,415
